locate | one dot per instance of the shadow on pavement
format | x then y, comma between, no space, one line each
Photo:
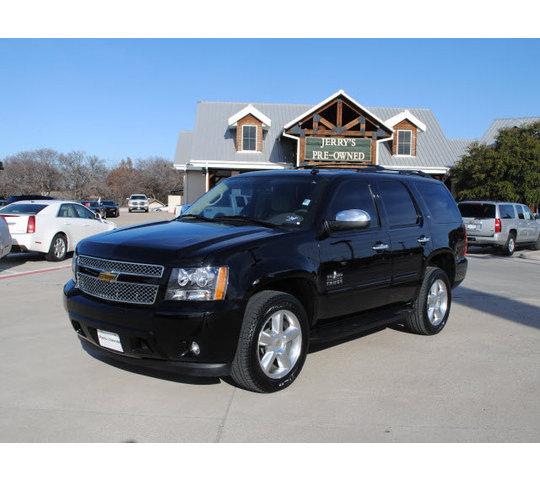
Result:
14,260
150,372
499,306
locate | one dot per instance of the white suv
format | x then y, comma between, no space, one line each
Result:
138,201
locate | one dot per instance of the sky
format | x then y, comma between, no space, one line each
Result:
120,98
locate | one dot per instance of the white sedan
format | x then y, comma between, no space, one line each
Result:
53,227
5,238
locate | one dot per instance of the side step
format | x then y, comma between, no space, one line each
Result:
353,325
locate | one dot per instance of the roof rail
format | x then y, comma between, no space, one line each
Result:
367,169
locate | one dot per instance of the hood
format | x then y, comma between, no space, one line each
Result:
166,243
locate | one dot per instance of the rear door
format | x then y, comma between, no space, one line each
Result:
530,224
409,238
355,265
522,224
509,220
479,218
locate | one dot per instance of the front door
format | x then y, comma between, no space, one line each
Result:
354,264
409,238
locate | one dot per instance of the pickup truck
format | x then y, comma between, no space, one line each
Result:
309,256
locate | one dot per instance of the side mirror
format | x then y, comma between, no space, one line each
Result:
537,216
350,220
182,208
97,216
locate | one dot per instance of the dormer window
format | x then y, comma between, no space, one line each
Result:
404,142
249,137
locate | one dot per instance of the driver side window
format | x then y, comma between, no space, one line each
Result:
83,212
353,194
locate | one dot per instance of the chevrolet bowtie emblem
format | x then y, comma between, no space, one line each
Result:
108,276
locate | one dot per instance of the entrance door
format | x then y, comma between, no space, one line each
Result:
355,264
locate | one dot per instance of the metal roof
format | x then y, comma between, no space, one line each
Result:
491,133
213,141
459,146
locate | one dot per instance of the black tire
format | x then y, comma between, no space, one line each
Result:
129,209
55,254
537,244
246,370
510,246
418,320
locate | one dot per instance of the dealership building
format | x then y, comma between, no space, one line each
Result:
231,138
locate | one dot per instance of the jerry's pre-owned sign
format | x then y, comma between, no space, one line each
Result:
338,149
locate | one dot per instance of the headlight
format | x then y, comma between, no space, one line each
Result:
205,283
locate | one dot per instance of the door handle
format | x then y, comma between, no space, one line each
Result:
380,246
423,239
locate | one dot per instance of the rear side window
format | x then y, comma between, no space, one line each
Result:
26,208
439,201
507,211
477,210
398,204
353,194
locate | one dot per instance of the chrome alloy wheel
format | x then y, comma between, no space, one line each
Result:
59,248
511,244
437,302
280,344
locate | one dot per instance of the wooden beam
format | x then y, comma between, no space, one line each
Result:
351,124
326,123
339,113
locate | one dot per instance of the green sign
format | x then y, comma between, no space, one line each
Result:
331,149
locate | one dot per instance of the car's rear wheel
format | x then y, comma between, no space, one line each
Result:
432,305
510,246
273,342
58,249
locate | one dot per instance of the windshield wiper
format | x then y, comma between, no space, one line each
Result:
245,219
196,217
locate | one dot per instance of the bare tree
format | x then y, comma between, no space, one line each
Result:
158,177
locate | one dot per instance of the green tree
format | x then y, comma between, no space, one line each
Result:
508,170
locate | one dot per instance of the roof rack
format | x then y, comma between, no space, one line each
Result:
368,169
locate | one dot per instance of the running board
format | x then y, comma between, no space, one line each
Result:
351,326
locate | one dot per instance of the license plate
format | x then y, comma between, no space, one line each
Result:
471,226
109,340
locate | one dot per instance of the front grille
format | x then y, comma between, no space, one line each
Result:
115,266
126,292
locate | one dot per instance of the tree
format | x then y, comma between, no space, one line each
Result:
158,177
34,171
508,170
123,180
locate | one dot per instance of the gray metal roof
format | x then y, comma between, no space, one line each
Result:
491,133
213,141
459,146
183,147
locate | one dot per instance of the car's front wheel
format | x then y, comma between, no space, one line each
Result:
273,342
58,249
432,305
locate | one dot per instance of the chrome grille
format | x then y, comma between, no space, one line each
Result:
125,292
116,266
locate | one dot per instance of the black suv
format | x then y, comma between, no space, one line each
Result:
263,264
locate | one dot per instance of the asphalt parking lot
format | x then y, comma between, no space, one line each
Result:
479,380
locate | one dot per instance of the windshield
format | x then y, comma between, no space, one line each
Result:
138,197
285,200
91,204
108,202
477,210
30,208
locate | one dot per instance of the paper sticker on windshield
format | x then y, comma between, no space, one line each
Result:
306,202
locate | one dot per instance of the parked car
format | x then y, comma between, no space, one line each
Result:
96,207
2,202
112,209
503,225
312,255
20,198
53,227
138,201
5,238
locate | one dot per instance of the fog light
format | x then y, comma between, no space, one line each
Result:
195,349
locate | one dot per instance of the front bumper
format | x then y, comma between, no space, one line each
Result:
138,207
159,336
